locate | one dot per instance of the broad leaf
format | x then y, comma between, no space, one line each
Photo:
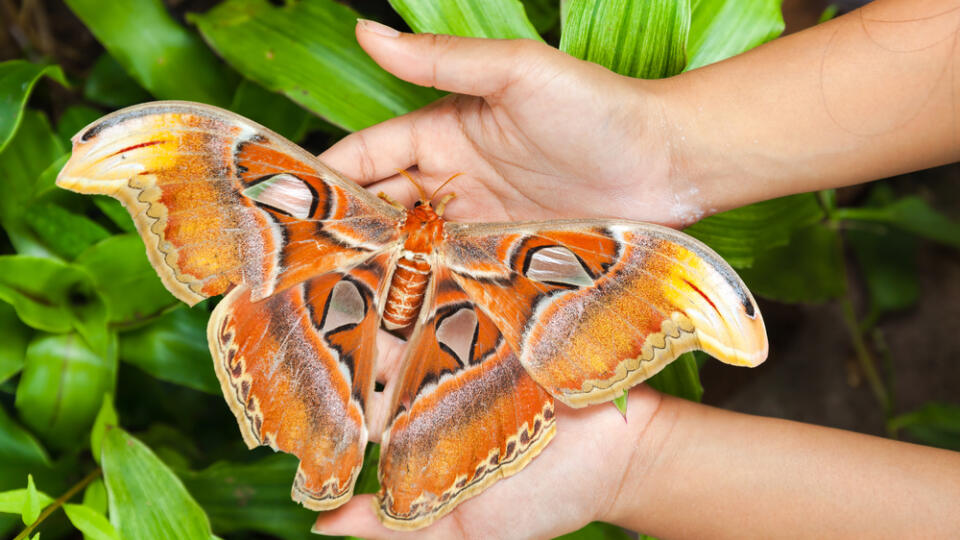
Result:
115,212
174,349
273,110
251,497
146,499
74,119
13,342
367,481
645,39
308,51
810,269
164,57
936,424
31,151
106,419
32,503
681,378
123,276
62,387
109,84
597,531
53,296
95,496
17,78
887,260
544,15
11,502
94,525
61,231
497,19
720,29
740,235
911,214
18,446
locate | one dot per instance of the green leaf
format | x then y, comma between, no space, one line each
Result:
53,296
146,499
95,496
13,501
273,110
13,342
597,531
911,214
17,79
18,446
680,378
164,57
828,13
496,19
74,119
936,424
123,276
251,497
810,269
46,186
308,51
106,419
62,387
32,503
109,84
367,480
544,15
94,525
887,259
645,39
115,212
31,151
61,231
720,29
740,235
621,403
174,349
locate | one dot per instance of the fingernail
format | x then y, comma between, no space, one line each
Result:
377,28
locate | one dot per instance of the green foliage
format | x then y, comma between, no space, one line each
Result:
328,73
133,474
77,292
497,19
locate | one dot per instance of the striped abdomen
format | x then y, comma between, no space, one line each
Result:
406,292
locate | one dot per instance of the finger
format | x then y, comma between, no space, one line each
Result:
359,518
473,66
379,151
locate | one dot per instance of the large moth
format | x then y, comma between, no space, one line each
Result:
507,317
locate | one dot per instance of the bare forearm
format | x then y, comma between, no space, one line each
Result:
723,474
871,94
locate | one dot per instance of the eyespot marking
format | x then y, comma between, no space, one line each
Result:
556,265
457,334
285,193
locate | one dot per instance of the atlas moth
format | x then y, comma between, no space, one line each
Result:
508,318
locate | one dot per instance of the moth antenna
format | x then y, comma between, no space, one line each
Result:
423,194
434,194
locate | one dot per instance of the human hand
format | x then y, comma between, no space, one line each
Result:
538,134
578,478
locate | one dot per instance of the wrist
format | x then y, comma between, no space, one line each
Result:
650,418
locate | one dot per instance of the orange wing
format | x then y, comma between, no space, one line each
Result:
220,200
296,369
464,415
593,307
226,206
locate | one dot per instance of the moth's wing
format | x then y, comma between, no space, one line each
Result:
465,412
220,200
296,369
594,307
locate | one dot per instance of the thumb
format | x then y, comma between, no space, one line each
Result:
473,66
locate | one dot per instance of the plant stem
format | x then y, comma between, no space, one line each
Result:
865,358
94,474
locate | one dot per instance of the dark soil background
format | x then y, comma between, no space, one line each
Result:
812,374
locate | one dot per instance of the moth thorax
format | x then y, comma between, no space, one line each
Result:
406,291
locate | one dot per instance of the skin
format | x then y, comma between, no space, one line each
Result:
542,135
